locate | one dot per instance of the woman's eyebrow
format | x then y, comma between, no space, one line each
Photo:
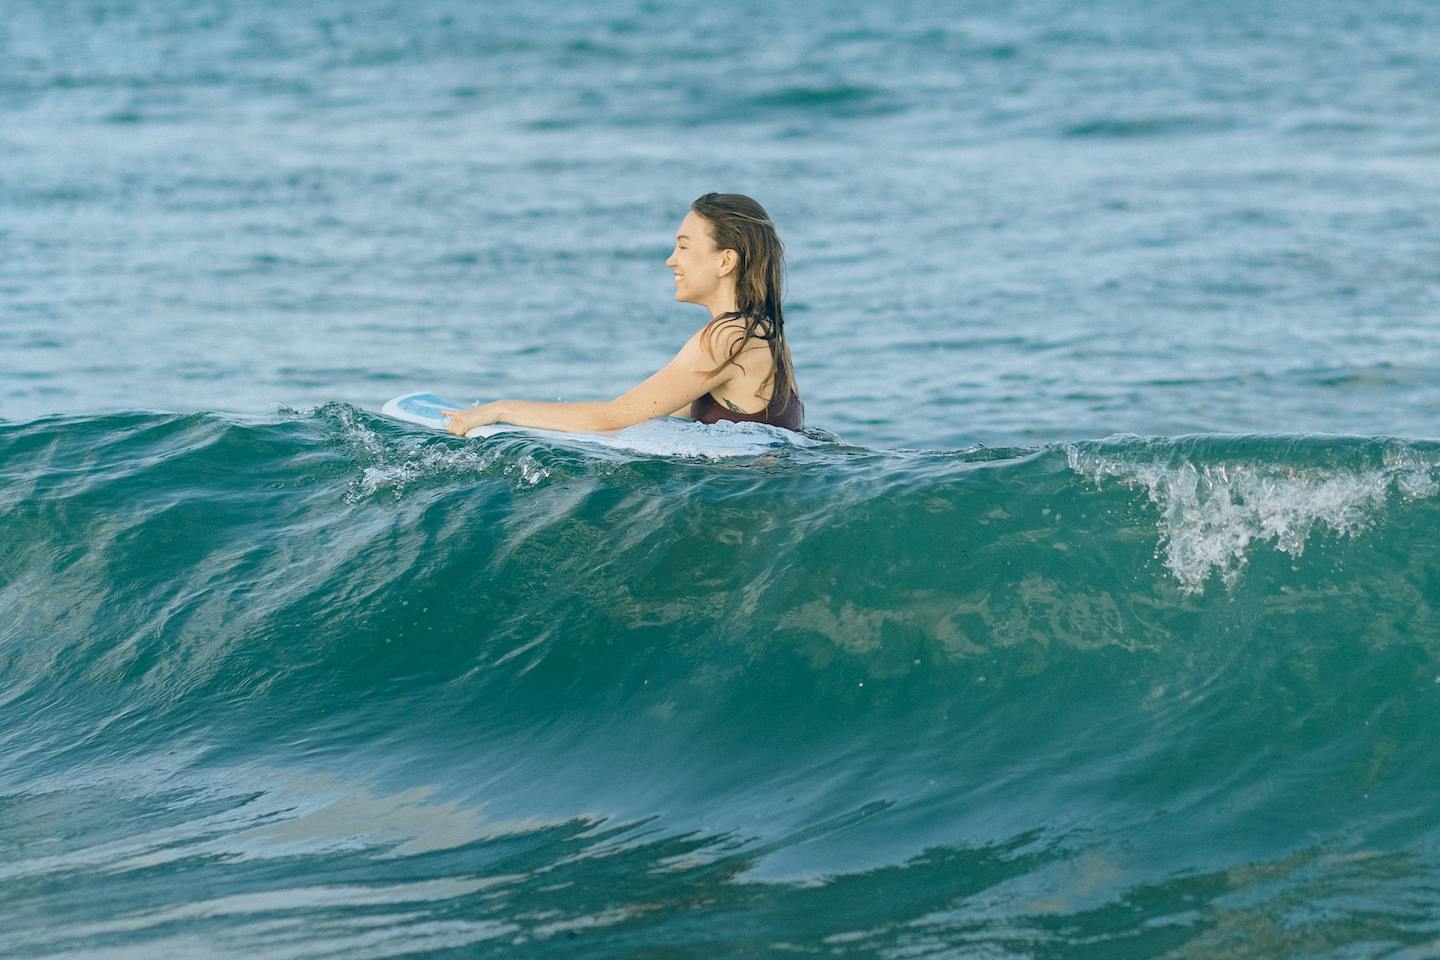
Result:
682,237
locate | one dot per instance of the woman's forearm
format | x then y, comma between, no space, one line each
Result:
557,416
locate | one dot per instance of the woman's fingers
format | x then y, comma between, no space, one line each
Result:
452,425
460,422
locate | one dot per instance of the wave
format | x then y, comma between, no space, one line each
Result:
470,676
194,550
820,533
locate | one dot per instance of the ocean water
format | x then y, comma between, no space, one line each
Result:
1097,615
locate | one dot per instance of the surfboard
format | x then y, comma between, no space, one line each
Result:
662,436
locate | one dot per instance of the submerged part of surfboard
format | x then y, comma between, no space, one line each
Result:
664,436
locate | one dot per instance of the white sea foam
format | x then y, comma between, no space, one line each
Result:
1211,513
397,475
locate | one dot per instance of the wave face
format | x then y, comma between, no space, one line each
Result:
318,683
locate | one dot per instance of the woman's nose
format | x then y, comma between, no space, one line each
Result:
670,261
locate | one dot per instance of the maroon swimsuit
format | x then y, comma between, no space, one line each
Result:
791,416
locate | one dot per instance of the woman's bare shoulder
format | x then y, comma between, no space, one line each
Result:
722,335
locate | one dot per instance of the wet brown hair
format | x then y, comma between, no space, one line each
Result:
739,223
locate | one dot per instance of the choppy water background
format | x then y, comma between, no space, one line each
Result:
1005,221
281,678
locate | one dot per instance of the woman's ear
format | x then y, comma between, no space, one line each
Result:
728,259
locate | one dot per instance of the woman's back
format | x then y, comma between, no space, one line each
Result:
744,397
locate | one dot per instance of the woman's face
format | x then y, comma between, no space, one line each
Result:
698,265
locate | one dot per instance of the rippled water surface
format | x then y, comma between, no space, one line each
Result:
1047,220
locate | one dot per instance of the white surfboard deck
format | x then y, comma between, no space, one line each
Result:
663,436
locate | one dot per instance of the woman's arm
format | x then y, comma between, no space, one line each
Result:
673,387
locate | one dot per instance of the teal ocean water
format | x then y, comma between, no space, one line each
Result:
1095,616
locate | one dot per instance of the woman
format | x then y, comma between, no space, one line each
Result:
729,260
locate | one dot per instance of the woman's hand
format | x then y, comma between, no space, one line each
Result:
463,421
